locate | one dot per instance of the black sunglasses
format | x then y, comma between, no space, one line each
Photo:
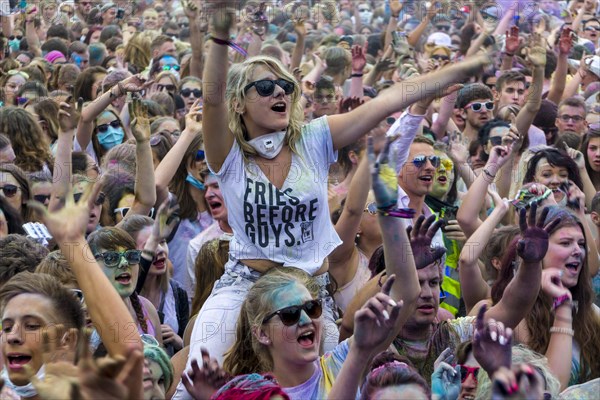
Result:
440,57
99,201
266,87
9,190
112,259
420,160
42,198
200,156
187,92
291,315
169,88
13,37
104,127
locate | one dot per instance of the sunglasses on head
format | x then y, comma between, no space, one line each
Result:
188,92
291,315
124,210
266,87
447,164
465,371
112,259
79,294
9,190
477,107
99,201
104,127
42,198
200,156
420,160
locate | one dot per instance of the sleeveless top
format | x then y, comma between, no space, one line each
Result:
346,293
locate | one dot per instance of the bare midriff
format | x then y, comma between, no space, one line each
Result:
264,266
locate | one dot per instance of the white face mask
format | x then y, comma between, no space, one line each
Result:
27,390
269,145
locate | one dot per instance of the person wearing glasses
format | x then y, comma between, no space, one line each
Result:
571,116
475,104
16,189
190,88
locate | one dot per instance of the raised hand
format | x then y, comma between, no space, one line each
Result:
203,383
459,149
499,155
190,9
223,20
407,71
565,42
134,83
373,322
446,356
193,119
491,343
445,381
420,235
520,382
300,27
165,221
533,245
552,283
396,7
358,59
512,40
537,51
385,184
348,104
140,123
69,114
576,156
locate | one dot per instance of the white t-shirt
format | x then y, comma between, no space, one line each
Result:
290,225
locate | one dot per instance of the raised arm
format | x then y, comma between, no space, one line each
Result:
415,35
168,166
68,116
218,139
473,287
298,52
358,64
559,78
112,319
347,128
521,293
347,225
395,8
145,191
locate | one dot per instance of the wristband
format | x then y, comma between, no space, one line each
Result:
559,301
564,331
488,173
229,43
407,213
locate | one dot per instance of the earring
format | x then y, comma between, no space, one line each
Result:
358,236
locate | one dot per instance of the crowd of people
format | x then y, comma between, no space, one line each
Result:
307,199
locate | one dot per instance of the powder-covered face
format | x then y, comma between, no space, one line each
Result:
444,176
550,175
123,277
154,380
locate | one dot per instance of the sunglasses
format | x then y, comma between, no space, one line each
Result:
420,160
171,67
19,37
42,198
9,190
266,87
445,28
200,156
169,88
439,57
112,259
188,92
477,107
79,294
291,315
496,140
465,371
124,210
326,99
104,127
99,201
371,208
587,28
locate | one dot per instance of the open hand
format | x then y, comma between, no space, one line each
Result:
420,235
445,381
193,119
358,59
520,382
140,124
533,245
565,42
459,149
135,83
203,383
348,104
512,40
537,51
385,184
373,322
166,220
491,343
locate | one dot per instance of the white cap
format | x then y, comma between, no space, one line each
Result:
593,64
440,39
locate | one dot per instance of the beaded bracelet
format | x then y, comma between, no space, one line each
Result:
564,331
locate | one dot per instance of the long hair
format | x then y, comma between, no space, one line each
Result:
116,183
209,267
556,158
26,213
188,209
14,221
100,151
137,52
47,110
247,354
32,150
235,98
593,133
85,81
133,225
539,321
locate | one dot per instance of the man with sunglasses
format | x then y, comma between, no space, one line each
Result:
475,104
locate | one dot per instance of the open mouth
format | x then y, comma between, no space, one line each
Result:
307,339
159,263
124,278
573,267
279,107
16,361
214,205
442,179
426,178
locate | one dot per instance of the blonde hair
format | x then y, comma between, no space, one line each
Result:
248,355
239,76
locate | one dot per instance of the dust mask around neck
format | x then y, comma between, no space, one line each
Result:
269,145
